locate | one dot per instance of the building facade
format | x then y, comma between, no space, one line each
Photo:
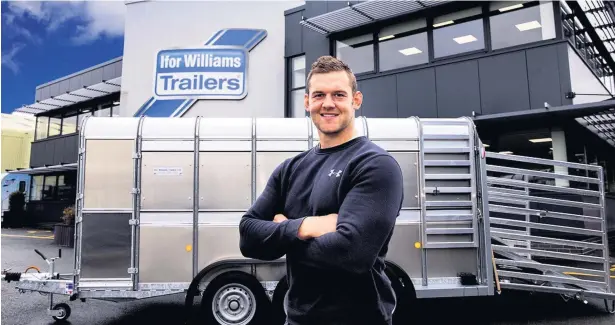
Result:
536,76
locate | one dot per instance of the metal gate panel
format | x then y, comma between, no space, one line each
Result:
167,180
105,246
548,225
225,180
108,174
408,162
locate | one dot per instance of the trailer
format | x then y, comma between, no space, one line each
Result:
159,202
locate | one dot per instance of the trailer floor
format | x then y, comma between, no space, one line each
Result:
29,309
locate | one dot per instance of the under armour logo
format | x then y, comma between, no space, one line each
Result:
339,172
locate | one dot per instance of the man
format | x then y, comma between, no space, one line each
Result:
331,210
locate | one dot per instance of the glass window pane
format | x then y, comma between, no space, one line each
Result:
522,26
69,125
408,26
298,66
42,123
460,38
503,6
357,52
451,17
115,110
50,189
36,188
66,189
296,103
403,51
105,112
55,125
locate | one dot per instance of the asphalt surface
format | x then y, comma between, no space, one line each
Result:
30,308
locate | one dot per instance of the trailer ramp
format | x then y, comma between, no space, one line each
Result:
548,226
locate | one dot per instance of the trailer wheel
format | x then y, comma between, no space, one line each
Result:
64,310
278,314
405,296
235,298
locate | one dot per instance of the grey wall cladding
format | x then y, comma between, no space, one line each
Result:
79,80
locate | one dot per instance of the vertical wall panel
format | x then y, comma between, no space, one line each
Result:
294,31
503,83
379,97
416,93
64,86
54,90
458,90
335,5
564,72
76,83
314,44
544,77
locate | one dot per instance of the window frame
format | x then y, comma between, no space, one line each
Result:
429,15
289,84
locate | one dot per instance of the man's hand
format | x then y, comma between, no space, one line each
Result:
313,227
279,218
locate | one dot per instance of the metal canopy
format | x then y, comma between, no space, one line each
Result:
598,117
364,13
602,124
44,169
100,89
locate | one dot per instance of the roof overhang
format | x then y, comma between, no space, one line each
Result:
44,169
87,93
598,117
363,13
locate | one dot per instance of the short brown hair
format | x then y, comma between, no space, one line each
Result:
326,64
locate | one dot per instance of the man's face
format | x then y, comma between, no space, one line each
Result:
330,101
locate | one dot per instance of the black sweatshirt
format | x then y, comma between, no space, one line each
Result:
337,278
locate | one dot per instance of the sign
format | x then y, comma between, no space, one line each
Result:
218,70
168,171
207,73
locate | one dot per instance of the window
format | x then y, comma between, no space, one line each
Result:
50,188
453,34
22,186
55,126
115,109
298,76
36,188
103,112
357,52
69,125
520,26
42,126
66,189
399,48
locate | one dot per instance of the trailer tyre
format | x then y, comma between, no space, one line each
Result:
64,310
235,298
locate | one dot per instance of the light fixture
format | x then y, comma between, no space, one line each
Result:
506,152
528,26
383,38
444,23
410,51
465,39
511,7
540,140
486,145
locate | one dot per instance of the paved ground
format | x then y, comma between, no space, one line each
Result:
30,308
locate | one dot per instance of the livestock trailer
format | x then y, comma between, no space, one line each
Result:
159,202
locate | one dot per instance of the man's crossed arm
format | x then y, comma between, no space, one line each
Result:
349,240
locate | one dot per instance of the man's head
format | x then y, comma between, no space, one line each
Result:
332,96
